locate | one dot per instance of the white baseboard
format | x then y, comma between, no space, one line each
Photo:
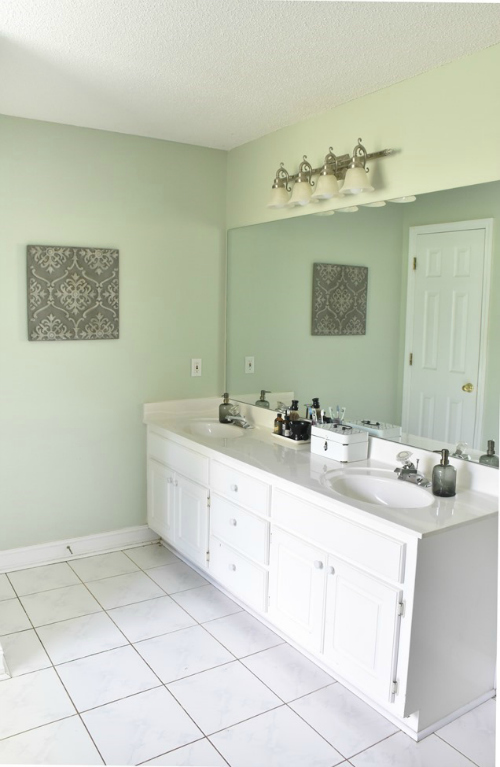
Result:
73,548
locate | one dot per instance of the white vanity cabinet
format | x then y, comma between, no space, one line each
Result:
401,618
178,497
328,604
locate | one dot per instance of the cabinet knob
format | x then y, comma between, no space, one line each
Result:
234,488
175,483
170,480
232,567
318,564
233,522
331,571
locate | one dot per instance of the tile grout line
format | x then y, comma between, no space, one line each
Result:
436,733
63,686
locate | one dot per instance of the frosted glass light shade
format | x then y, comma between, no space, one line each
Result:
351,209
407,198
279,197
356,181
301,194
379,204
326,188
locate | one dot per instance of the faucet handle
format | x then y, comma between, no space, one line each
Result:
404,456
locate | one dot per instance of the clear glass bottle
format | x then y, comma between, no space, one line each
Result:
489,458
444,477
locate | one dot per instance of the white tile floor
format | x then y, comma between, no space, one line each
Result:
133,658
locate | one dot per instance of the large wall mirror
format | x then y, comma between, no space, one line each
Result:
269,308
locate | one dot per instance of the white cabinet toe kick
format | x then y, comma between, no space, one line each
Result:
407,622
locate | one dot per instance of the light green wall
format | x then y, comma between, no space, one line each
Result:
269,304
444,124
71,439
269,310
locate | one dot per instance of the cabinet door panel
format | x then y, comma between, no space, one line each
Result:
161,500
297,589
191,519
361,629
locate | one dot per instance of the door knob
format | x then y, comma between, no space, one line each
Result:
468,387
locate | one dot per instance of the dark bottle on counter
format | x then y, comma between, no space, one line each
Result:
286,425
444,477
278,424
317,407
294,410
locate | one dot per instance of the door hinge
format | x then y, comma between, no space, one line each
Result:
394,687
207,556
401,608
411,358
209,502
414,263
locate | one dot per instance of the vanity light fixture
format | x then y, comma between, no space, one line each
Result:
349,169
407,198
356,181
327,185
301,193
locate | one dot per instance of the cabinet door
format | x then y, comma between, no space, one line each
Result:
161,499
191,519
297,589
361,629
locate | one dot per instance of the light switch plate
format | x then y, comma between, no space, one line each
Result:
249,365
196,367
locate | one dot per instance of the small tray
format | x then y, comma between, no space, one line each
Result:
295,444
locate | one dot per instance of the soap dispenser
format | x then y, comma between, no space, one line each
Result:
444,477
489,458
263,402
225,409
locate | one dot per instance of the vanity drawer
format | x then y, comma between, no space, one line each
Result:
239,528
244,579
187,462
240,488
378,553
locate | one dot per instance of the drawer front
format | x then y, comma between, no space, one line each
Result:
244,579
240,529
240,488
378,553
187,462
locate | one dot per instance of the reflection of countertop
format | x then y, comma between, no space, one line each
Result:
257,449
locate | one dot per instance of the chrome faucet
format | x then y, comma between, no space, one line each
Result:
408,472
238,420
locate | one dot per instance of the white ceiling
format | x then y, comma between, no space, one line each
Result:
219,73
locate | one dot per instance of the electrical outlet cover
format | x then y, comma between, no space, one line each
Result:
196,367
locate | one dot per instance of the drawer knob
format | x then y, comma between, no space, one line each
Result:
234,488
176,483
233,522
331,571
318,564
232,567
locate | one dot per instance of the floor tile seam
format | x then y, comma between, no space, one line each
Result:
172,596
387,737
53,623
323,687
240,657
455,748
42,591
91,655
38,727
107,577
79,716
242,721
316,731
164,753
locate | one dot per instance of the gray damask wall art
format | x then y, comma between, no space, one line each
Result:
339,300
73,293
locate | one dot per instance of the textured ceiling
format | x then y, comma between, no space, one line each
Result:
219,73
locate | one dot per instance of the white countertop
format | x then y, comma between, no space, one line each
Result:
258,448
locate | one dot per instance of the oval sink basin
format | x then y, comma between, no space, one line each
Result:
207,427
381,491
